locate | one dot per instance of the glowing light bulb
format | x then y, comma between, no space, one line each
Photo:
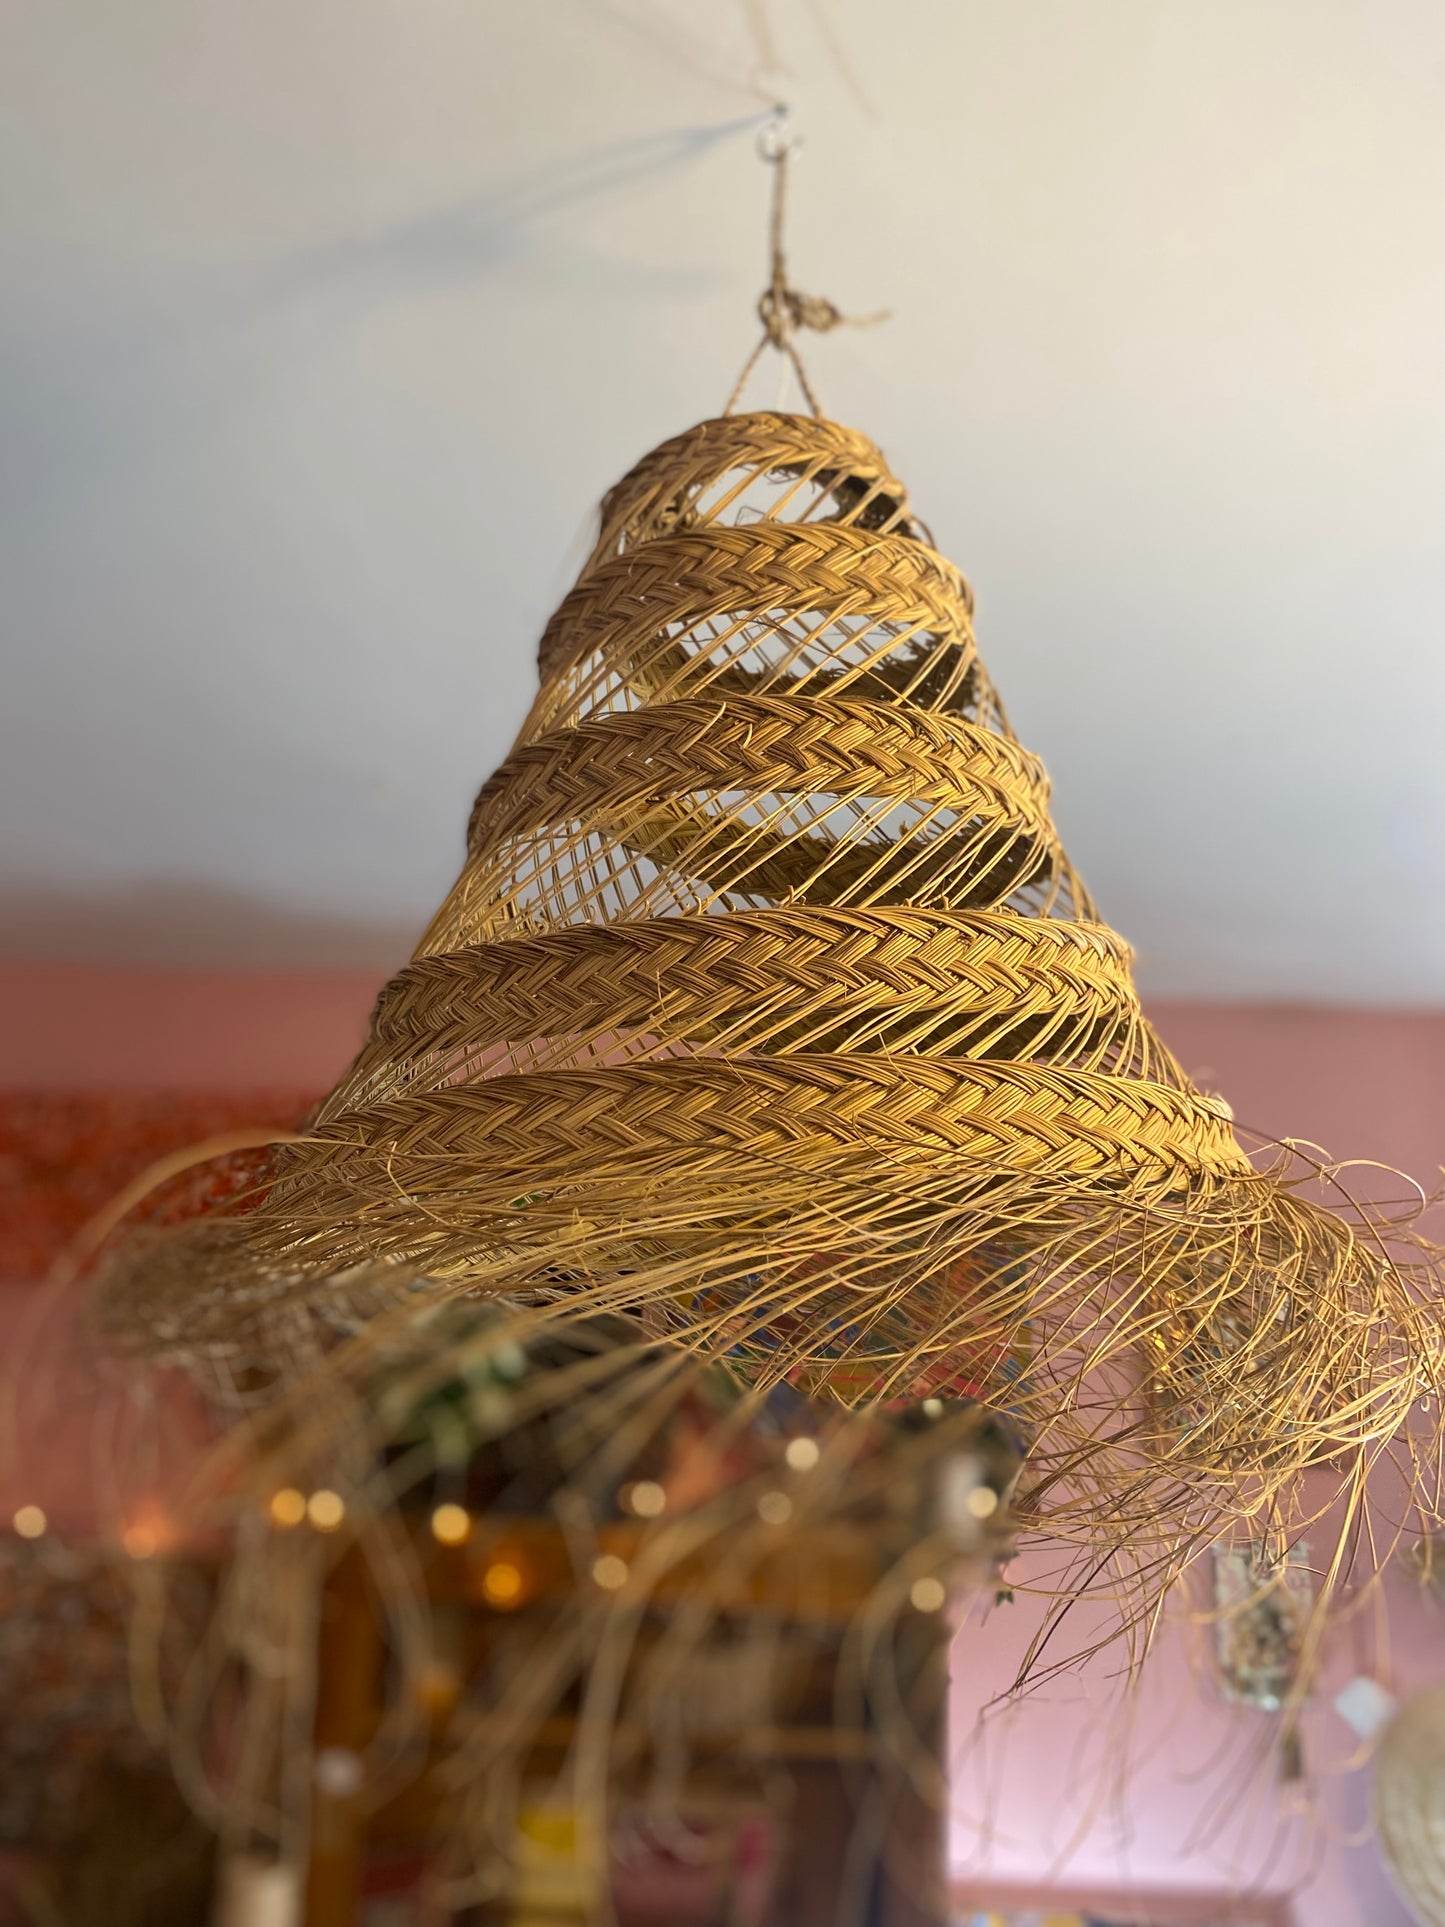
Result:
451,1525
610,1572
775,1508
30,1522
927,1595
802,1454
288,1507
141,1541
647,1499
501,1584
326,1510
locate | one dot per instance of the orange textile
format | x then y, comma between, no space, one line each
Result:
65,1155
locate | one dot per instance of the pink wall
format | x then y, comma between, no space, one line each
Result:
1044,1791
1362,1083
98,1448
1163,1788
70,1027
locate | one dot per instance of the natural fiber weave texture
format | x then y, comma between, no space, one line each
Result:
1409,1803
768,1009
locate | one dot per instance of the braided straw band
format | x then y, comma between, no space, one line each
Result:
701,477
930,982
836,572
1024,1119
631,759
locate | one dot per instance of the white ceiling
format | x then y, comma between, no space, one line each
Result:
323,323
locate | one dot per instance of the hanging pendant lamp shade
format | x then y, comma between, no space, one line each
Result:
769,1011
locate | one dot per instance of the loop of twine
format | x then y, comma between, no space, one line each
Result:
783,309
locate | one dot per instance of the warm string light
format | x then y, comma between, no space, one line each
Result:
609,1572
645,1498
451,1525
30,1522
325,1510
503,1585
288,1507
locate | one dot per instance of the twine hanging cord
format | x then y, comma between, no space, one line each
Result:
783,309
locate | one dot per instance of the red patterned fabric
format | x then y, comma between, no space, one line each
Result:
64,1156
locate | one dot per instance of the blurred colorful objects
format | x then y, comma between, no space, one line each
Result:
84,1794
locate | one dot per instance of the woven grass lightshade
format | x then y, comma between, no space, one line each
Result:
769,1011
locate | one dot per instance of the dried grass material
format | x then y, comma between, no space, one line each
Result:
768,1008
1409,1807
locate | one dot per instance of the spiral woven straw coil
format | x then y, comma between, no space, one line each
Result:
768,1009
